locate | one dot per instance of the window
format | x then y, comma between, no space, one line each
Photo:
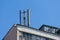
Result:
53,30
42,38
50,30
34,37
37,38
20,37
27,36
46,29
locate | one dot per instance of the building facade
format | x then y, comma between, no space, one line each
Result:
21,32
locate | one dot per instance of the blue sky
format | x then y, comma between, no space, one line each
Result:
41,12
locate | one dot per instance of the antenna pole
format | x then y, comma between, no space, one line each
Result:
28,17
20,17
24,18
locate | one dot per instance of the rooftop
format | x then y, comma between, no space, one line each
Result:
51,28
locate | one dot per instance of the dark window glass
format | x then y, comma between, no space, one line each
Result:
20,37
27,36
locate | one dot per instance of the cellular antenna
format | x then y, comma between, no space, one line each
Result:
28,17
24,18
25,15
20,16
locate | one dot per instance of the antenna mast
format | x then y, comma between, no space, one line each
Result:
26,17
20,16
24,12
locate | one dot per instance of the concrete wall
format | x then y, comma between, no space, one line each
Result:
19,34
12,34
